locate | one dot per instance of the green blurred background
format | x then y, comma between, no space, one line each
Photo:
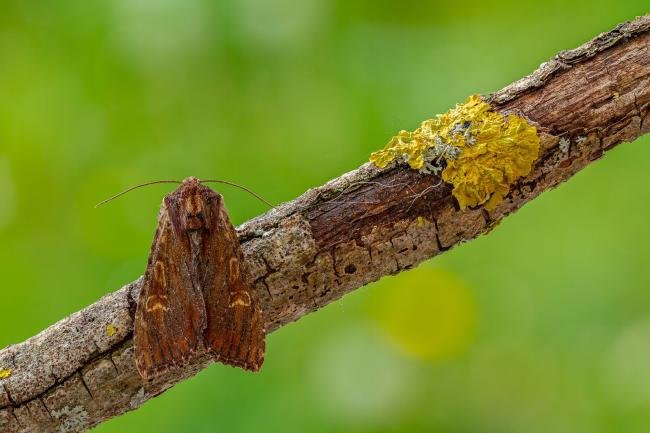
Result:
542,326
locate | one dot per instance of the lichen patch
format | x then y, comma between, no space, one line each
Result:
72,419
138,398
564,145
479,151
5,373
111,330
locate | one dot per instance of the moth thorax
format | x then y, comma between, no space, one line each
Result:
194,212
195,238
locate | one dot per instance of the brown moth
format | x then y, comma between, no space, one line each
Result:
196,294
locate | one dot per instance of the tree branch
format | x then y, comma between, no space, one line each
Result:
336,238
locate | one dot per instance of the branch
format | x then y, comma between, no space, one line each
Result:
336,238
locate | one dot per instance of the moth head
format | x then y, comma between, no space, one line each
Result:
190,181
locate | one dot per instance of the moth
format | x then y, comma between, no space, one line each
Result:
196,294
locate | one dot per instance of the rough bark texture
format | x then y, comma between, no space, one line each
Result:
340,236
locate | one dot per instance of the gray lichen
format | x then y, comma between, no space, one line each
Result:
138,398
73,420
564,144
434,156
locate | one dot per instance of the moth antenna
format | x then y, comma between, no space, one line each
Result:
132,188
225,182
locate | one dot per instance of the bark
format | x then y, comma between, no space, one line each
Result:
336,238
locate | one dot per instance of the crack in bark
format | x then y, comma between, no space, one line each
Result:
638,110
85,385
13,413
47,410
11,400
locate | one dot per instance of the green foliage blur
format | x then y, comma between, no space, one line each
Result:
541,326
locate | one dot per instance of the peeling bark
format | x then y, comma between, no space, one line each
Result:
333,239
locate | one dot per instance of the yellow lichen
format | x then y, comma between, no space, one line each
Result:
484,151
5,373
110,330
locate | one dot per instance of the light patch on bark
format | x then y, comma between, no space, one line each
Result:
72,419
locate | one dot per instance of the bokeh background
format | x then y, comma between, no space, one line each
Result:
541,326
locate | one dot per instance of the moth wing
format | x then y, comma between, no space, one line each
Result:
235,326
170,316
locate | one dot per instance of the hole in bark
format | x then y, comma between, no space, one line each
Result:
350,269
